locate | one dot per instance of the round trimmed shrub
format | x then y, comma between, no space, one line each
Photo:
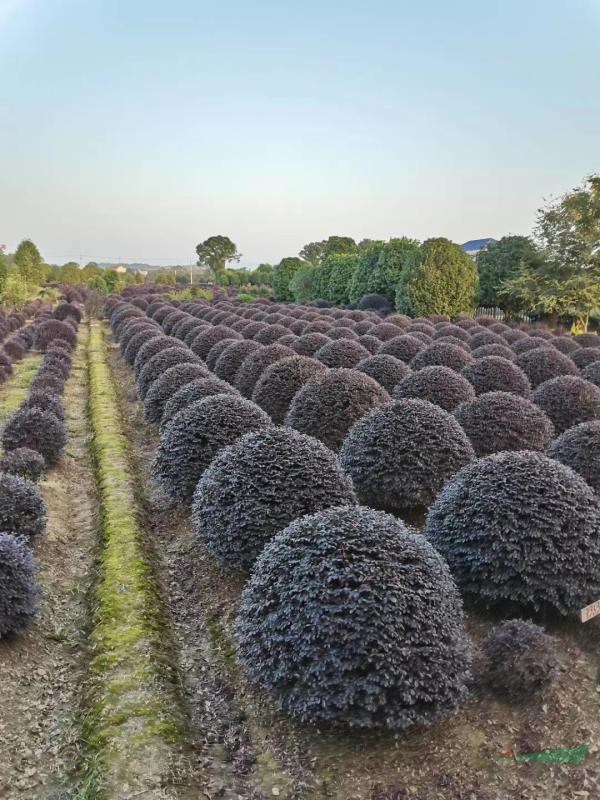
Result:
520,527
565,344
592,373
137,341
253,366
329,404
18,588
385,331
270,334
57,365
530,343
441,386
61,344
497,374
45,401
374,302
588,340
47,382
514,335
568,400
14,349
579,448
232,358
6,362
453,341
498,421
502,350
276,387
338,332
404,347
371,343
341,353
448,329
194,437
153,346
206,339
191,393
257,486
168,384
215,352
400,455
22,509
520,659
585,356
160,363
64,310
171,320
545,363
478,340
350,619
386,370
37,430
25,463
442,355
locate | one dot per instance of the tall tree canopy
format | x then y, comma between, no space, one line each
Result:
282,276
29,262
315,252
385,275
439,278
567,281
501,261
216,252
368,258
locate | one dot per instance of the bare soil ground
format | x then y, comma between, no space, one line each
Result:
247,750
42,671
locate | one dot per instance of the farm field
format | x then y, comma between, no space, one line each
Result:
137,676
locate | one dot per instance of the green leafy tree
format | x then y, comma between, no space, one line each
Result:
16,292
216,252
282,276
385,275
70,273
165,278
3,268
98,283
439,278
501,261
305,284
566,281
262,275
28,261
368,258
313,253
338,269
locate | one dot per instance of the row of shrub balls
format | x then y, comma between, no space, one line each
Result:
32,442
297,469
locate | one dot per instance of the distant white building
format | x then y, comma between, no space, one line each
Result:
120,269
473,246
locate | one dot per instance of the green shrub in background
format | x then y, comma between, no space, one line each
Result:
385,275
439,278
367,261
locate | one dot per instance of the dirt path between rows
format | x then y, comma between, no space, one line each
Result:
42,671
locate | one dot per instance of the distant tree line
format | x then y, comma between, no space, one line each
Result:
555,274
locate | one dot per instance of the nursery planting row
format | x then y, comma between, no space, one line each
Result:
303,439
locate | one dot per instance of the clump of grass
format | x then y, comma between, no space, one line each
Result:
134,721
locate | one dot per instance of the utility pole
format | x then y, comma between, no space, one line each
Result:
191,272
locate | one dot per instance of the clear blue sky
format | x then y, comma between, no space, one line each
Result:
135,129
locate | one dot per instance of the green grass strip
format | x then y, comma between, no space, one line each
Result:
16,389
135,718
565,755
